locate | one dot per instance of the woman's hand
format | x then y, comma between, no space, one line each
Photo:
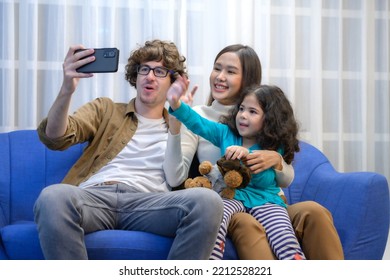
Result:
260,160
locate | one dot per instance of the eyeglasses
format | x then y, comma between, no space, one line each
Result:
159,71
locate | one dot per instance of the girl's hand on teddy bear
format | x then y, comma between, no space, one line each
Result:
236,152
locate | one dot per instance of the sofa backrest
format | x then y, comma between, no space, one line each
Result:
305,163
26,167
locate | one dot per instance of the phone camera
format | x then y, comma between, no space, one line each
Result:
108,54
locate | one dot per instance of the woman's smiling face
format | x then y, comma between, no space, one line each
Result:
226,78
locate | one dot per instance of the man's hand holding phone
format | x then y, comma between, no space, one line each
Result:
105,60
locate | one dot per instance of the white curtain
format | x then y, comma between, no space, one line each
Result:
331,57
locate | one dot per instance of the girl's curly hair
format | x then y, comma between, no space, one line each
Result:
156,50
279,129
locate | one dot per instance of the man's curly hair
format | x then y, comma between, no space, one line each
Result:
280,128
155,50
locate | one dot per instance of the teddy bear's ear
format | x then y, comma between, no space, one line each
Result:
233,179
205,167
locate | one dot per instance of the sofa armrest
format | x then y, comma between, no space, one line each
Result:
3,221
359,203
3,255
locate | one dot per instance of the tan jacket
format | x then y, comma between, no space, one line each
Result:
106,125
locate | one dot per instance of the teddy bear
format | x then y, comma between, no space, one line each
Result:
224,178
200,181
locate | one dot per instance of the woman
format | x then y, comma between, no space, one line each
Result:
236,67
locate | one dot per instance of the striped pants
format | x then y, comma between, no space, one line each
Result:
276,223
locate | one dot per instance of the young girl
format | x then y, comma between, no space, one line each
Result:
262,119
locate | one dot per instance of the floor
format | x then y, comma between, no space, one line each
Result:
386,255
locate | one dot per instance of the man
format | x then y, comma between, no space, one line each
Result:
119,181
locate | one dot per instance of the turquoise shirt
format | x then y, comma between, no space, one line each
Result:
263,187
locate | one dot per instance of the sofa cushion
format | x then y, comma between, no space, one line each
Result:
21,242
230,250
120,245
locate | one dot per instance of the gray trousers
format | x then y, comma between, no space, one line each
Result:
64,213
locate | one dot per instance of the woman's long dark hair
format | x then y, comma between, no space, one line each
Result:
280,128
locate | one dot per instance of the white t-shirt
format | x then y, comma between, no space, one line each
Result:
140,163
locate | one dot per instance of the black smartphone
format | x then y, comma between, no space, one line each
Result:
106,60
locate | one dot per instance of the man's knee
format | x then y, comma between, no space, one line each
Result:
50,197
205,205
206,199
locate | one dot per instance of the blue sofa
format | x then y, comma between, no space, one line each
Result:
358,201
